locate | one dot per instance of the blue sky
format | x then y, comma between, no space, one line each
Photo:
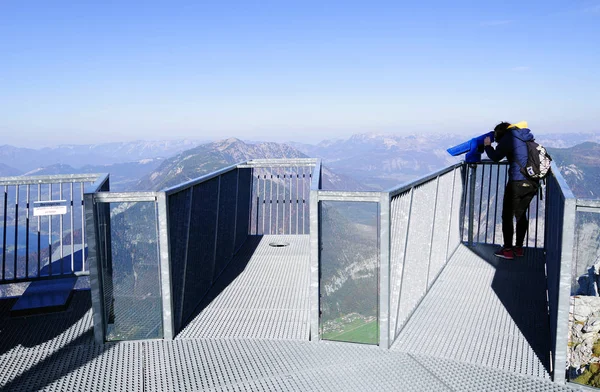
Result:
92,72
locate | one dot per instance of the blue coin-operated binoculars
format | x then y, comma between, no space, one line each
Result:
473,148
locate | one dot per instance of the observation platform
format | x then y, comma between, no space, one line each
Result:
481,326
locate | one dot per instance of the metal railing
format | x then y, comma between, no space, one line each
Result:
37,243
200,225
424,222
584,304
280,192
485,186
403,237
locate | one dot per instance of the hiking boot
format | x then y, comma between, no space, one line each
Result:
519,252
505,253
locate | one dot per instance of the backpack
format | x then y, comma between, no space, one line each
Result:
538,161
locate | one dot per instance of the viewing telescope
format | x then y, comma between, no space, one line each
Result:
473,148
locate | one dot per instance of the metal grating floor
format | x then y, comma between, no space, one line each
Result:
268,297
56,352
487,311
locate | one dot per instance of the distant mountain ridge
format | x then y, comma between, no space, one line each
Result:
361,162
382,161
580,166
27,159
210,157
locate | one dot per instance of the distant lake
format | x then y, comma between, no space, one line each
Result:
10,239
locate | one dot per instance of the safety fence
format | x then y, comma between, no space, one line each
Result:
280,191
424,233
584,300
374,255
485,185
42,225
166,249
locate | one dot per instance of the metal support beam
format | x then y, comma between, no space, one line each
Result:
165,267
384,270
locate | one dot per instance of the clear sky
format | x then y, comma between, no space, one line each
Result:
99,71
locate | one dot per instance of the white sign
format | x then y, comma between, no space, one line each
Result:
50,207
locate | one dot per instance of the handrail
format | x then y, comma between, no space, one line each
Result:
53,179
411,184
195,181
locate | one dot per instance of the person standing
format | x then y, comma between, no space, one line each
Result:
511,142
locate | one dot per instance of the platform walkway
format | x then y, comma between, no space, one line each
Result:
485,310
56,352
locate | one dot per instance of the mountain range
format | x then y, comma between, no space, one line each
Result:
360,162
580,166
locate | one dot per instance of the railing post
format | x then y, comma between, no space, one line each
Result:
95,268
564,290
315,252
384,270
471,201
165,267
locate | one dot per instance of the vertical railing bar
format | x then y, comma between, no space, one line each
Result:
297,198
291,197
437,186
506,167
16,231
451,215
309,179
277,205
537,216
72,229
60,189
487,213
4,231
83,258
39,234
264,200
50,234
464,201
496,202
303,198
527,215
480,202
271,202
412,191
472,182
283,225
27,233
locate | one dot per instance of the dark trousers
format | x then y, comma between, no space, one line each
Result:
517,196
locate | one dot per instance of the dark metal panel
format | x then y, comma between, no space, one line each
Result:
201,243
244,192
179,224
226,223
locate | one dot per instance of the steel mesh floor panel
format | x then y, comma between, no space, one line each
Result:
498,319
47,332
268,297
112,367
269,365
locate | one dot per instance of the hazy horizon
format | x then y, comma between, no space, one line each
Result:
91,73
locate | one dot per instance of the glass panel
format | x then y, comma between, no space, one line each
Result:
584,344
131,272
349,271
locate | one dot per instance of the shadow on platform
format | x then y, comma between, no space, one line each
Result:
520,285
236,266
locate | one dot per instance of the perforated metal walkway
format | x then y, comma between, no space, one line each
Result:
263,294
485,310
57,353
